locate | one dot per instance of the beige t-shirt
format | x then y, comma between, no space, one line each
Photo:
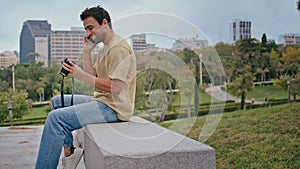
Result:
116,60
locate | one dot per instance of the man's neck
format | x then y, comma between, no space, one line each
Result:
109,36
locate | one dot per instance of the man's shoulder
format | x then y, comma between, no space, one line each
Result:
121,45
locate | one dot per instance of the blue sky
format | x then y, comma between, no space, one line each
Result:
212,17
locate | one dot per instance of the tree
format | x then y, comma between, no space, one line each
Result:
290,60
295,86
264,43
245,64
224,49
19,107
241,86
191,59
276,64
298,5
247,53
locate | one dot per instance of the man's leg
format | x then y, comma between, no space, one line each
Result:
62,121
97,113
77,99
59,122
56,104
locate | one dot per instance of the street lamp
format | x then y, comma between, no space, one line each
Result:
9,106
200,68
13,77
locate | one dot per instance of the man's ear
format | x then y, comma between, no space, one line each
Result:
104,22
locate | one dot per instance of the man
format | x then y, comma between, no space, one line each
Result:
113,78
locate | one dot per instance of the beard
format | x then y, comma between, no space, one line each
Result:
99,35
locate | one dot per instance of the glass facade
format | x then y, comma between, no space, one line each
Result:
31,32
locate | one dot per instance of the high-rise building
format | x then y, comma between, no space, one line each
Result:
240,29
68,44
289,38
35,41
138,42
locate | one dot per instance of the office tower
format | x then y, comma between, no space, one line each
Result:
138,42
68,44
240,29
35,41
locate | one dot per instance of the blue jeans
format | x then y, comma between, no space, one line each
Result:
62,121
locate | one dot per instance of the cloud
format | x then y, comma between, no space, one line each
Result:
213,17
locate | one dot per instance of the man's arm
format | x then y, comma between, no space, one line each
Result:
113,86
87,63
87,56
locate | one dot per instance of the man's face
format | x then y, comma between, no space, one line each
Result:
94,29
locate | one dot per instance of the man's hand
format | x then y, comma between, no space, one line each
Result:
88,46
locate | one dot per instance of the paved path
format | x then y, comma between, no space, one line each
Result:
19,147
216,92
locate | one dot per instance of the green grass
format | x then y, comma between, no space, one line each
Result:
36,117
271,92
203,98
257,138
37,112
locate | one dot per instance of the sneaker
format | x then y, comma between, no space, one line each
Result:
72,161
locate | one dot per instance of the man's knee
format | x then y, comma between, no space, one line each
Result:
56,102
52,115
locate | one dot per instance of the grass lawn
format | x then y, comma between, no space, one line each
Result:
203,98
259,93
37,112
257,138
36,117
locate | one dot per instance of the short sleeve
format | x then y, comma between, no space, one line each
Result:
120,63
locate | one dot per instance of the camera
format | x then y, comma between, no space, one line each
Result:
63,71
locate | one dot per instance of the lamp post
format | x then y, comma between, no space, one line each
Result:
13,77
200,68
9,106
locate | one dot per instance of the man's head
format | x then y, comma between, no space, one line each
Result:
97,23
98,13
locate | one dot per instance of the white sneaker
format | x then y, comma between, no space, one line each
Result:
72,161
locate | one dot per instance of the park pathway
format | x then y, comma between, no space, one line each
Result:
19,146
217,93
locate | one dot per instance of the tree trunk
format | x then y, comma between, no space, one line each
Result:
295,99
243,97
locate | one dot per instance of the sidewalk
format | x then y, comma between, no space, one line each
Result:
19,147
216,92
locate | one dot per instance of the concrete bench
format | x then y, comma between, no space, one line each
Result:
140,144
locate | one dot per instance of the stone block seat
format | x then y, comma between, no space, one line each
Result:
140,144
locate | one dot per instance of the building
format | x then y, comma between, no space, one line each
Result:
35,41
7,59
66,44
190,43
138,42
289,38
240,29
41,44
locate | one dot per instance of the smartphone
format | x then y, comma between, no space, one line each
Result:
91,39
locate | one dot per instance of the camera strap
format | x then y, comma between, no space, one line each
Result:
62,92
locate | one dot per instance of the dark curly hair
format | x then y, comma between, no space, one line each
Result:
98,13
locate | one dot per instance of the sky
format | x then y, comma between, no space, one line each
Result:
211,17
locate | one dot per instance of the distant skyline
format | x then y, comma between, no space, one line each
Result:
212,17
